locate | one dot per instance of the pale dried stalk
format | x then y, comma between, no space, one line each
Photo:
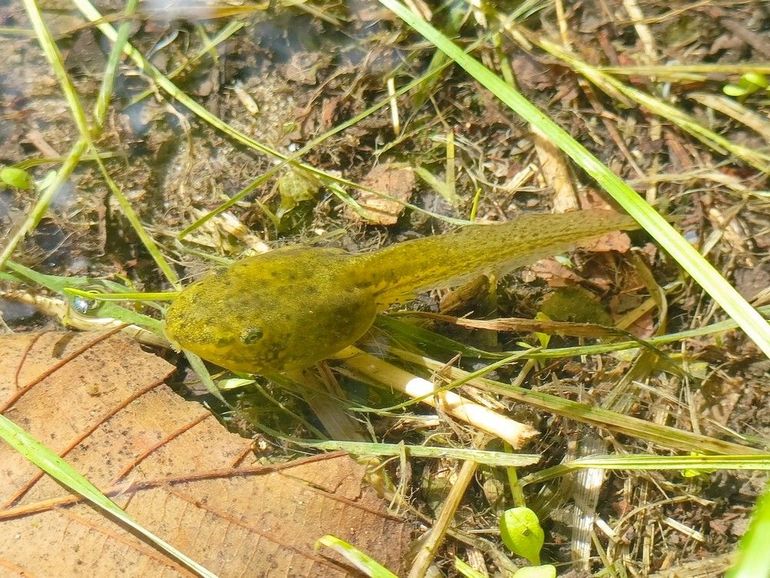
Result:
515,433
435,537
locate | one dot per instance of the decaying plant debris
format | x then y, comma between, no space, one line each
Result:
285,76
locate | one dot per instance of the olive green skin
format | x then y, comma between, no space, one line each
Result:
238,318
292,307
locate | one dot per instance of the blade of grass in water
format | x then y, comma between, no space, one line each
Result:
665,436
753,559
53,56
670,113
428,340
111,70
100,113
133,219
486,457
39,161
687,71
652,462
88,10
85,141
96,296
366,564
672,242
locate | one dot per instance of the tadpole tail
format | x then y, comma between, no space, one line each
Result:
407,268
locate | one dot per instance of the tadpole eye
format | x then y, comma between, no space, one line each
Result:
251,335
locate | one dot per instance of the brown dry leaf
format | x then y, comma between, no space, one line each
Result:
552,272
615,241
717,398
644,327
101,402
397,181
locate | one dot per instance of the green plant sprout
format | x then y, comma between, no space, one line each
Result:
749,83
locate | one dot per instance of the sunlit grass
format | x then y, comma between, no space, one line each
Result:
743,315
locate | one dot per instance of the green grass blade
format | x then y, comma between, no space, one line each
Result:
128,296
44,200
52,464
687,72
63,285
485,457
110,71
759,462
197,365
221,36
688,258
39,161
53,56
467,570
366,564
662,435
753,559
136,224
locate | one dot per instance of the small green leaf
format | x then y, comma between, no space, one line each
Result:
294,188
547,571
17,178
748,84
522,533
756,79
734,90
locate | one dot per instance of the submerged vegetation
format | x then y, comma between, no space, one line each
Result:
201,134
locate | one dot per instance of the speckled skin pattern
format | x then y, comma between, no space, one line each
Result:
292,307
